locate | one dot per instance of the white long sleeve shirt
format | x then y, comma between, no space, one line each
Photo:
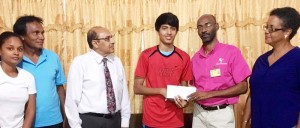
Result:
86,89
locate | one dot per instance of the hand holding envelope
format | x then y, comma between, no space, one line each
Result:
182,91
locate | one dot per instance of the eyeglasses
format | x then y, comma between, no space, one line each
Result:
107,39
207,25
270,29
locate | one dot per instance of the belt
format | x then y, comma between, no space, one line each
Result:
107,116
211,108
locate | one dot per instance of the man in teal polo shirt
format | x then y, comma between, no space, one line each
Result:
47,70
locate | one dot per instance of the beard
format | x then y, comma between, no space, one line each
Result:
207,38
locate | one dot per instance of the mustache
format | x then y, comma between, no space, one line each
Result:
205,34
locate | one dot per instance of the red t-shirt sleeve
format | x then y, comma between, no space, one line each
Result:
187,74
142,66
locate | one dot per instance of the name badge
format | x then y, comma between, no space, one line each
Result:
215,72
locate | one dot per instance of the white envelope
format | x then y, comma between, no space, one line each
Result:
182,91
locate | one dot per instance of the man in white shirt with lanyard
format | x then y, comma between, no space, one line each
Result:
97,94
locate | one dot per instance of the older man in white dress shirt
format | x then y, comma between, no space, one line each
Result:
97,94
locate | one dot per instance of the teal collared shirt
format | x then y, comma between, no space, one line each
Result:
48,74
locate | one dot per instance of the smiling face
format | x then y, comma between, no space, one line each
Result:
167,34
207,28
11,51
34,37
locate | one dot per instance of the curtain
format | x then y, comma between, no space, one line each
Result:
66,23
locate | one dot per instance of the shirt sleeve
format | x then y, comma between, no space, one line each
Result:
142,66
60,76
240,69
73,96
192,82
125,103
187,74
31,84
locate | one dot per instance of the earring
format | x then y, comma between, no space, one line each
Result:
285,36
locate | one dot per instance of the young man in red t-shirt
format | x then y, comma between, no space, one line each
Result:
160,66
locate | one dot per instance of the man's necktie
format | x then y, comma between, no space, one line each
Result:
111,101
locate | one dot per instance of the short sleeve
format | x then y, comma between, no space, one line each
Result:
142,66
60,76
187,74
239,67
31,84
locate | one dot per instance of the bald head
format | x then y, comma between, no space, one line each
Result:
93,34
207,28
209,17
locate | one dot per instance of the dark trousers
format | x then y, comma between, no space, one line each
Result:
60,125
92,121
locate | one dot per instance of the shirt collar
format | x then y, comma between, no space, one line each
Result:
42,57
217,45
99,57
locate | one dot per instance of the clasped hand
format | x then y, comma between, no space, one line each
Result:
180,103
199,96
